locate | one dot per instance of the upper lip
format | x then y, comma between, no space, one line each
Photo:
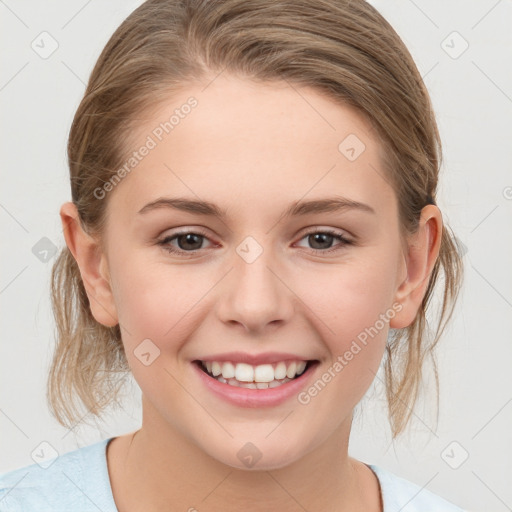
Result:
255,359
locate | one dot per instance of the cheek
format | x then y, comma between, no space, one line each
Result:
352,306
157,306
155,300
350,298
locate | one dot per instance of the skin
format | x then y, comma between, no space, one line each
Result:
251,149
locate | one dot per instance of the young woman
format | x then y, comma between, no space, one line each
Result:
253,231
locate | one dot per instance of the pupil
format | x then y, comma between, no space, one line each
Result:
189,238
322,237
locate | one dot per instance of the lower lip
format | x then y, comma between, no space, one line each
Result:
245,397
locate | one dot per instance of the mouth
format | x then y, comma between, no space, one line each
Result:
263,376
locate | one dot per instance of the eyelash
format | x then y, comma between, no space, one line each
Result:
341,238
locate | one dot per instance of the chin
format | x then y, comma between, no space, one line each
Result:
257,456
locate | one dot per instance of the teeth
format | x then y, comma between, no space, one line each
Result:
262,376
292,370
257,385
264,373
244,372
280,371
228,370
216,369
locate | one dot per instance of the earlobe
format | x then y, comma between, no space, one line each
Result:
93,266
423,251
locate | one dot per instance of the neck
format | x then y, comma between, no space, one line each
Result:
160,469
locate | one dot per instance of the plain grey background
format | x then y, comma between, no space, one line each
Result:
463,50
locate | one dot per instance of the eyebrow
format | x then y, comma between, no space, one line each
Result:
297,208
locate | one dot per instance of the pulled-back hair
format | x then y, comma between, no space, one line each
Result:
342,48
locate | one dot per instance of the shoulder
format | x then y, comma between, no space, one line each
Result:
402,495
77,480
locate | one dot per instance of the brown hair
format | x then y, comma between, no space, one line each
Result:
343,48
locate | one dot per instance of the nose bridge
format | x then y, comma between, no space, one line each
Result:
254,294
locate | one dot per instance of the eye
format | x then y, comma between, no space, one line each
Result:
321,241
187,242
190,242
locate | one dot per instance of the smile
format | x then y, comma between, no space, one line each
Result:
266,384
248,376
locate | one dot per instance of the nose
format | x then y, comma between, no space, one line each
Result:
255,295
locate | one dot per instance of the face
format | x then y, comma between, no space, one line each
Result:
272,279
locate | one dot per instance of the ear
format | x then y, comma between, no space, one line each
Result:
93,266
423,250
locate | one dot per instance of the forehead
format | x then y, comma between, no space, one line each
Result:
244,144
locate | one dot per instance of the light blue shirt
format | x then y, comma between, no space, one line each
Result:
78,481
